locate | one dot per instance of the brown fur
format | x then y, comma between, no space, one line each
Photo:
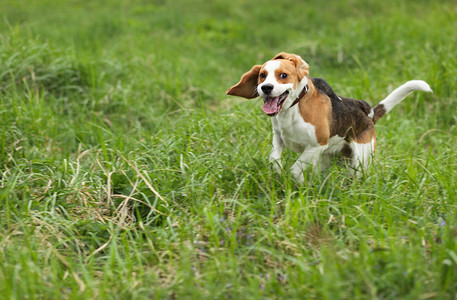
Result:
301,66
315,108
350,121
287,68
379,112
365,136
247,86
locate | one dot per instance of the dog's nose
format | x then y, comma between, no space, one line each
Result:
267,88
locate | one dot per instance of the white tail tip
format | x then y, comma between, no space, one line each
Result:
418,85
402,91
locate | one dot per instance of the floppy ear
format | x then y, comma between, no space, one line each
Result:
247,87
300,64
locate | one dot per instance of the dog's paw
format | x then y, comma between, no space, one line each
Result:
277,167
297,172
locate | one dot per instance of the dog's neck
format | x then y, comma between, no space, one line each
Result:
302,94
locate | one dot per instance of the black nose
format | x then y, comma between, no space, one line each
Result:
267,88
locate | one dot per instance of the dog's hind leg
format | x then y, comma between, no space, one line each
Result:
310,157
362,156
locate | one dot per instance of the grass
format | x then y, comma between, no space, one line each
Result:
127,173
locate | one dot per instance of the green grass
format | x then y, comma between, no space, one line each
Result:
126,172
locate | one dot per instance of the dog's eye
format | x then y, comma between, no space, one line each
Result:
262,75
283,75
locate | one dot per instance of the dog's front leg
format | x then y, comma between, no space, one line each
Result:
275,156
310,157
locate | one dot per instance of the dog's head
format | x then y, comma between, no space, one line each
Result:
278,81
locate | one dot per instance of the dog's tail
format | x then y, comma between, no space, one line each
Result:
397,96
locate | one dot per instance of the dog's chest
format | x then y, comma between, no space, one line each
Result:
294,131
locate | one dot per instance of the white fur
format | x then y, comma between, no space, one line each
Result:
371,114
309,157
320,156
402,91
363,154
278,89
290,130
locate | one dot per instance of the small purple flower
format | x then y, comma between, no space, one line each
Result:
262,286
315,262
222,243
443,223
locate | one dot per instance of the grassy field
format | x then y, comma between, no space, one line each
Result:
126,172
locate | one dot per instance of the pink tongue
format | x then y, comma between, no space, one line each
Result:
271,106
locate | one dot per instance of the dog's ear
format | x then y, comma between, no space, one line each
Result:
300,64
247,87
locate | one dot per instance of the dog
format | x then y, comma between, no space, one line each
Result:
309,118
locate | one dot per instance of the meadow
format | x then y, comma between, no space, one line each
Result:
127,173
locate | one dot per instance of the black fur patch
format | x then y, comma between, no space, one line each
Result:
379,112
349,117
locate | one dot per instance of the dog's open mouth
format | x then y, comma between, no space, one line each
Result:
272,105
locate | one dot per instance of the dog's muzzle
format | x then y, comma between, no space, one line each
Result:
272,105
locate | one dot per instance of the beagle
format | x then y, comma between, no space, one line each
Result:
309,118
